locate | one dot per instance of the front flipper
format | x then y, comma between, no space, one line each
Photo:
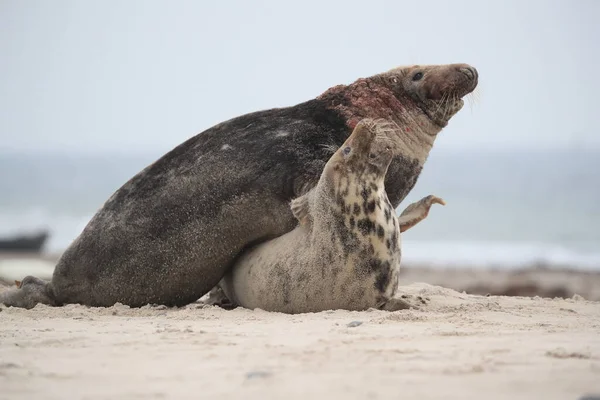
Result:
417,212
217,297
403,302
29,292
300,207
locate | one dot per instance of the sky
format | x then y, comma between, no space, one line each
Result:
145,75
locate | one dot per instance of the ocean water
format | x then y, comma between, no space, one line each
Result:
504,209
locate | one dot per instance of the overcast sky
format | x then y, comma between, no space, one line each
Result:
146,75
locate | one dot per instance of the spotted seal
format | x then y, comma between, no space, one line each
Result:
170,233
345,252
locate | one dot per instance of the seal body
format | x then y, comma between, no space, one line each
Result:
345,253
170,233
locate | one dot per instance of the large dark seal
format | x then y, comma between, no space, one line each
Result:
345,252
169,234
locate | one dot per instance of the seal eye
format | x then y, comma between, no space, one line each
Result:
346,150
417,76
372,155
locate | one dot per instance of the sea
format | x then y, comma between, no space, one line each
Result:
505,208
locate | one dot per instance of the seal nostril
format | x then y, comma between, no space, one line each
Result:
469,72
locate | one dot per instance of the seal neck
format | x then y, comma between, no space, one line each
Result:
414,134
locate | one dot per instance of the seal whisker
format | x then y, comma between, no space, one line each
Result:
470,101
329,148
451,98
444,103
441,103
473,98
445,100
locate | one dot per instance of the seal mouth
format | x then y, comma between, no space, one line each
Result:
441,111
441,101
380,157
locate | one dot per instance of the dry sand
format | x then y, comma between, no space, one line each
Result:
457,346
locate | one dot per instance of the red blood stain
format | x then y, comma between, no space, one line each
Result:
353,122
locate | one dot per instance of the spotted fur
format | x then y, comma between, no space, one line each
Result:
346,255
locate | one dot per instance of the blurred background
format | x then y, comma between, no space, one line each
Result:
92,92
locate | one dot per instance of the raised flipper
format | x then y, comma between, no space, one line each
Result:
417,212
29,292
301,209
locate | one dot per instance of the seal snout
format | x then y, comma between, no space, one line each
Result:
363,135
470,77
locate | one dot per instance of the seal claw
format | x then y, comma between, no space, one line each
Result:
417,212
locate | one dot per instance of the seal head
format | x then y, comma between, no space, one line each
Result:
438,92
358,155
419,99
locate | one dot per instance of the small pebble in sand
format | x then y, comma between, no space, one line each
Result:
258,374
563,353
354,324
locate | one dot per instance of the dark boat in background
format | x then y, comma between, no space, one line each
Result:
33,243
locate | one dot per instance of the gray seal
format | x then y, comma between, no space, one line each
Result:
170,233
345,252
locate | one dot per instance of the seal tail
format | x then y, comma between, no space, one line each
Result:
28,293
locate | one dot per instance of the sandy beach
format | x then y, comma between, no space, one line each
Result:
456,346
161,144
